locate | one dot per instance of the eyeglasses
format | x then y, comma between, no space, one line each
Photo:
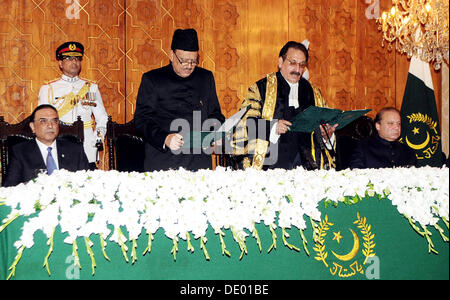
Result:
44,121
73,58
185,63
293,63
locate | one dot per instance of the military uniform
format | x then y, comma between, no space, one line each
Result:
73,97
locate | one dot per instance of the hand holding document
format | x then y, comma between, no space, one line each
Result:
205,139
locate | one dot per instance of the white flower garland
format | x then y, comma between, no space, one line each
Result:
183,203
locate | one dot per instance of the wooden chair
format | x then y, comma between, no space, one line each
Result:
348,137
346,140
12,134
225,160
126,148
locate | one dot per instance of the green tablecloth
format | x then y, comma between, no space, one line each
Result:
400,252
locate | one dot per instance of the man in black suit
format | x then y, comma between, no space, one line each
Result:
384,150
179,93
27,159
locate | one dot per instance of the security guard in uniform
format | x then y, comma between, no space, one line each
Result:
73,97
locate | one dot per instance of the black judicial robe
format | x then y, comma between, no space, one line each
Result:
376,152
294,148
163,97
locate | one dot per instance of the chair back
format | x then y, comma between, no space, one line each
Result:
74,131
126,148
12,134
348,137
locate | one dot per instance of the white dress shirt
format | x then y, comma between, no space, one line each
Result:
293,101
44,151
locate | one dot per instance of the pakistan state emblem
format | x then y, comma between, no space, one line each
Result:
350,249
423,136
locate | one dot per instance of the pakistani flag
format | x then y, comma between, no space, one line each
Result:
420,123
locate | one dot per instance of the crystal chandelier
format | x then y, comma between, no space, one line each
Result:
418,27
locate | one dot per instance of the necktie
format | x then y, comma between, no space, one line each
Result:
51,165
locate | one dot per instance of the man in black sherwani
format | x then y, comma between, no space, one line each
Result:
178,93
384,150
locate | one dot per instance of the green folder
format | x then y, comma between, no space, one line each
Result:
204,139
201,139
311,118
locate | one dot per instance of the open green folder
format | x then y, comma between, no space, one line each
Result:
311,118
204,139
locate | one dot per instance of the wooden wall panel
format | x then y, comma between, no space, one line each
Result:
346,63
144,46
239,42
231,58
32,30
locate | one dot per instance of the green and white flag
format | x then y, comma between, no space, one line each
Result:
420,122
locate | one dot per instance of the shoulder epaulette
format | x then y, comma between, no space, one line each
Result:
88,80
53,80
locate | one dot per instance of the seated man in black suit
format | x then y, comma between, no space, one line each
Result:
384,150
27,159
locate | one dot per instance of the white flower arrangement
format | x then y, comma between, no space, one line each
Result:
184,203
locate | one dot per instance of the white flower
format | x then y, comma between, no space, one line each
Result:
181,202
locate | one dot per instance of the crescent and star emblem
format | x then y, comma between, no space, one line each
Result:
420,123
353,252
418,146
350,264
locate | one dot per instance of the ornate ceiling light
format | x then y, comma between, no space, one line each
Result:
418,27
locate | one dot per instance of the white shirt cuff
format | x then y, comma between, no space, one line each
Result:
330,142
274,136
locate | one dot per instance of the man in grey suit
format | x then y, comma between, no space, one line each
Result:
27,159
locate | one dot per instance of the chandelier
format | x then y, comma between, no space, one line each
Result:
418,27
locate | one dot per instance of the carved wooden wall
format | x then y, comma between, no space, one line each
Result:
239,41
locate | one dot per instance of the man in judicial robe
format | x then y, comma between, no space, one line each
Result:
180,94
384,150
274,101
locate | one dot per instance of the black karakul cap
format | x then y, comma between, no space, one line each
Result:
185,39
69,49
